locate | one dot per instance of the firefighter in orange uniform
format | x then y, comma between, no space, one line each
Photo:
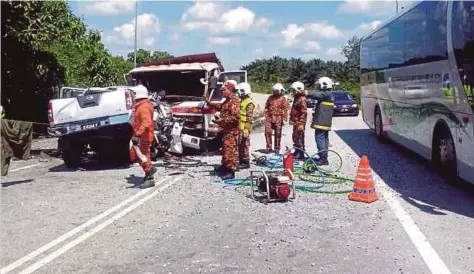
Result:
298,116
143,130
276,113
229,125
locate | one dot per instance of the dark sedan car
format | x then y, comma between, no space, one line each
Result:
344,104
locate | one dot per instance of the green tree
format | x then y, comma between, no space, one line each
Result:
314,69
263,73
352,52
145,56
29,73
45,47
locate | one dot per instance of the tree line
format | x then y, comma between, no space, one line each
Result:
45,47
263,73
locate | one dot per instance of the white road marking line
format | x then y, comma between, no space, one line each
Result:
94,230
427,252
24,167
72,232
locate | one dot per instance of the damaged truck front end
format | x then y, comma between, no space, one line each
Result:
185,81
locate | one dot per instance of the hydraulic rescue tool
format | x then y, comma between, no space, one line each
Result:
273,185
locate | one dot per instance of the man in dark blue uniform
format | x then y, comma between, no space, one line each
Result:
322,117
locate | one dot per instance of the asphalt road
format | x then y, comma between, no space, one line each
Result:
94,220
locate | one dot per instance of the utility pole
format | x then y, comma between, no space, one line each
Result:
135,46
396,6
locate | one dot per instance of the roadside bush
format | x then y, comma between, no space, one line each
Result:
353,89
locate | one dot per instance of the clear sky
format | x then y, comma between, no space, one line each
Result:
238,31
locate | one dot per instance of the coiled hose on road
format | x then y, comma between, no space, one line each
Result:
308,172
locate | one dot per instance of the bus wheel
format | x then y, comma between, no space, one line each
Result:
378,125
444,155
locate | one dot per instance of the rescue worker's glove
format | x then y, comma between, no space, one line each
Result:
300,127
135,140
246,133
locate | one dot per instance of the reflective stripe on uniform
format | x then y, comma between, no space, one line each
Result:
243,112
322,117
327,104
320,127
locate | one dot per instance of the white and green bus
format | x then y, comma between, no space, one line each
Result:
417,80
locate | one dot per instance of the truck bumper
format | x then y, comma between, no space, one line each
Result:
200,143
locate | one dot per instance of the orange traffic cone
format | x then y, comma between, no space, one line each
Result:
364,188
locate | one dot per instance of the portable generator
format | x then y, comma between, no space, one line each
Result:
272,185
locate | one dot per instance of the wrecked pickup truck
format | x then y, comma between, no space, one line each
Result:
96,119
186,80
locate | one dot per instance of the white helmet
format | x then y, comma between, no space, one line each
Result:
325,83
297,87
278,87
244,89
141,92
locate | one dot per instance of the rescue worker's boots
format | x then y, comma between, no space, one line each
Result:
148,183
323,159
149,180
149,175
218,170
299,155
226,174
244,164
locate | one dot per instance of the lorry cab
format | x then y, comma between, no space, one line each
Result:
186,80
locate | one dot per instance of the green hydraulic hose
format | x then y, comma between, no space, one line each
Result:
334,179
324,177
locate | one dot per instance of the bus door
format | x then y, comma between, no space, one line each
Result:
462,35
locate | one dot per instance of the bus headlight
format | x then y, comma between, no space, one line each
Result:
354,106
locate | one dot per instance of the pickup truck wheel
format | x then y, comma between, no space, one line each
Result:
124,152
72,156
114,153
